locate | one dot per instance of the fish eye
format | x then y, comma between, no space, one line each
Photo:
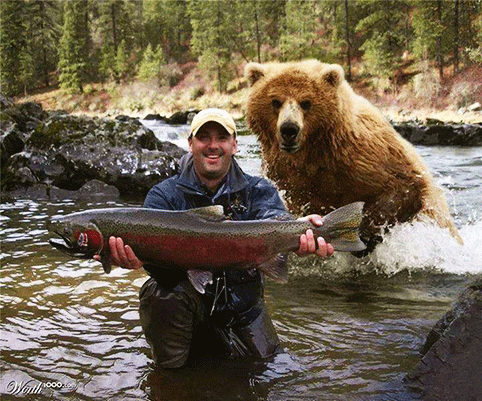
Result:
276,103
83,240
305,105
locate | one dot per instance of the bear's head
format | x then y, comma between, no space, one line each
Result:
288,102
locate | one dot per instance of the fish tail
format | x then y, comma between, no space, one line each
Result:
341,228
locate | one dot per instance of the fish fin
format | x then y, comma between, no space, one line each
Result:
200,279
276,268
343,225
210,213
106,261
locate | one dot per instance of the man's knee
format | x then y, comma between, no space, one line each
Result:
168,319
260,336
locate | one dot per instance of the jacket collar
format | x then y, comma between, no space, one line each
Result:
189,182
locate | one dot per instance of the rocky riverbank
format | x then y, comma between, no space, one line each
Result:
51,155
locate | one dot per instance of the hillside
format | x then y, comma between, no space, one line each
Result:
417,96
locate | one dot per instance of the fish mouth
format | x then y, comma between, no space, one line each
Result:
65,245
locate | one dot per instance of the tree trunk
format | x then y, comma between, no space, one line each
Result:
114,36
258,39
348,42
456,36
440,57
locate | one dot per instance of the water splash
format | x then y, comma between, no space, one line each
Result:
424,246
420,247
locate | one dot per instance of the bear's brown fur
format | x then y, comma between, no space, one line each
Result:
326,147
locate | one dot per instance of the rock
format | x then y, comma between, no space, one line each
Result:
96,190
61,152
474,107
155,117
451,367
442,135
434,121
92,191
11,141
182,117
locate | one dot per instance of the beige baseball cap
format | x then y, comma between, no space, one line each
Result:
217,115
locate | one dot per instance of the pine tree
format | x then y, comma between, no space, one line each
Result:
384,28
257,28
151,65
298,36
122,67
432,37
107,62
167,23
212,30
74,46
13,47
43,32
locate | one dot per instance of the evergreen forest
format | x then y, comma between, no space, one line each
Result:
71,43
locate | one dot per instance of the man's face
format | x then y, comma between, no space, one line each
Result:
212,149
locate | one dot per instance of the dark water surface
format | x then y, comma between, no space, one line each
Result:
350,328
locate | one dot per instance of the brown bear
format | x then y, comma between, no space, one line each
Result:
327,146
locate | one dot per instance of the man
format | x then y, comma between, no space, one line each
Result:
230,317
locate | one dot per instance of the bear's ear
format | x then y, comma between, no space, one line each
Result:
254,71
334,75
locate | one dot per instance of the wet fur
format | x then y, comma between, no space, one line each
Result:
348,151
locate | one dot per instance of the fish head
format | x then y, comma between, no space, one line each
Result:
78,238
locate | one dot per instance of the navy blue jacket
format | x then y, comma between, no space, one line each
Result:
242,196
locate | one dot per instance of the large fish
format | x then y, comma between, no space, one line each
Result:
200,239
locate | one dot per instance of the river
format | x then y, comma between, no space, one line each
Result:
350,328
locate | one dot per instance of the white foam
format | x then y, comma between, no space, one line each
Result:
423,246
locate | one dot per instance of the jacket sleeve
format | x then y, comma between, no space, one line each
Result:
157,197
266,202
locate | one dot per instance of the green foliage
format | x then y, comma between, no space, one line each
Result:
122,67
13,65
74,46
298,34
107,63
167,23
384,27
44,33
80,41
212,32
151,65
475,53
427,29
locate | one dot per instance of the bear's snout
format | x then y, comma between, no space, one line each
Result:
289,133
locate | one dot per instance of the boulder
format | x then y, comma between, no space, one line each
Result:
182,117
441,134
92,191
451,366
474,107
58,150
155,117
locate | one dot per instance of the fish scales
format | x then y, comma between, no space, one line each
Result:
199,239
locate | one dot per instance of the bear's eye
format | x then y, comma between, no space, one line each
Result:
276,104
305,105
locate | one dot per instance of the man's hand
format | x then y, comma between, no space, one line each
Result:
308,241
122,255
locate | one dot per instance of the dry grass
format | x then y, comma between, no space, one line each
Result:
422,97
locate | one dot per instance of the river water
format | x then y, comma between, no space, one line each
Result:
351,328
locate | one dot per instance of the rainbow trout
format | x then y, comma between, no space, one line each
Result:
200,239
